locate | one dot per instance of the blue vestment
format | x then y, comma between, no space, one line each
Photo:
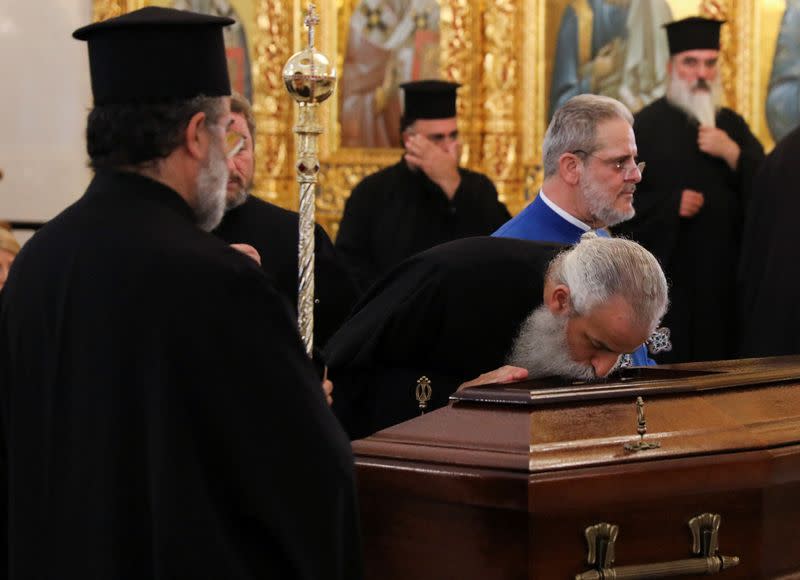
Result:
538,223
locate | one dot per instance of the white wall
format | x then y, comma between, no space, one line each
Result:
44,99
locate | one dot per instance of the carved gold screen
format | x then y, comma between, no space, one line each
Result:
499,50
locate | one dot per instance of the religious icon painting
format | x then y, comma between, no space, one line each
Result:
616,48
236,46
389,42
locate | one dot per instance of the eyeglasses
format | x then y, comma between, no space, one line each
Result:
234,143
437,138
620,165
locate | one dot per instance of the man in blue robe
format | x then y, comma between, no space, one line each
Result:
590,174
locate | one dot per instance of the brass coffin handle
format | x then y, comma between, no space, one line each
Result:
712,565
601,539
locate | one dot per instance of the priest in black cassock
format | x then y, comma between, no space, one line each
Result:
159,417
470,306
769,273
423,200
691,203
273,232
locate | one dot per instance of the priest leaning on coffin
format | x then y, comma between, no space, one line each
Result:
473,305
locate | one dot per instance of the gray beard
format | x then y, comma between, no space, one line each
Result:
541,347
211,189
239,198
700,105
600,209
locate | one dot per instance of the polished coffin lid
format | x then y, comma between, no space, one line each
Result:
540,426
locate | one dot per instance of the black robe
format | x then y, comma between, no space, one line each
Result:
159,416
449,313
700,254
273,231
769,274
396,213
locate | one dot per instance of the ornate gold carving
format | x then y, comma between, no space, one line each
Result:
533,99
729,41
455,44
497,51
105,9
500,83
272,106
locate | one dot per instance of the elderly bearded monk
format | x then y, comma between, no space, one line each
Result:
472,305
690,206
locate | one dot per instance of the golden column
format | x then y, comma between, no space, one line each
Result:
310,79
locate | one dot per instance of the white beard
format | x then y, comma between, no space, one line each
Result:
541,347
700,105
211,189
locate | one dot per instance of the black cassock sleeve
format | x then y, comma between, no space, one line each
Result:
657,220
335,292
750,158
477,199
268,440
769,277
354,241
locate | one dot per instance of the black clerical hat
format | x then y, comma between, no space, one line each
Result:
693,33
429,100
155,55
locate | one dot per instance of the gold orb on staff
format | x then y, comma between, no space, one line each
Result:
310,79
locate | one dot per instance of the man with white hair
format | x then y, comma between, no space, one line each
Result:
469,306
590,175
701,159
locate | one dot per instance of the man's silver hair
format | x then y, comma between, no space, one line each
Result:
596,269
574,127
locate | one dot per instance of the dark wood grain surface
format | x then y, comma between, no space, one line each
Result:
492,490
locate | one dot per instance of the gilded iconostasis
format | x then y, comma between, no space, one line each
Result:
516,59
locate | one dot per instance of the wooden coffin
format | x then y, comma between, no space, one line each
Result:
505,481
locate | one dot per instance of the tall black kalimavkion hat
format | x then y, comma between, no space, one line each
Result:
429,100
155,55
693,33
